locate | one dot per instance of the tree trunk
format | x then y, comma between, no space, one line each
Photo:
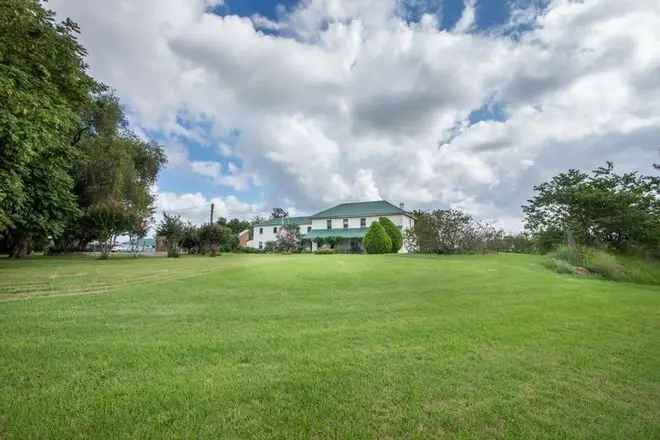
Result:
21,245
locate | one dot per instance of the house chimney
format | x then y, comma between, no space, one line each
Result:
401,205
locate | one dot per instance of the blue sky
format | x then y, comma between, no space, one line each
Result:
435,103
488,13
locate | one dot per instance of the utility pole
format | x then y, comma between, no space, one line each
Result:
212,207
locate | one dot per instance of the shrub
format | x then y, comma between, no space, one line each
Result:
602,263
376,240
325,252
568,254
393,232
246,250
270,246
559,266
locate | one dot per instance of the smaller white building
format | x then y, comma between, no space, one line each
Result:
348,222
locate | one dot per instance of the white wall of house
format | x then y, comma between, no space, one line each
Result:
354,222
264,234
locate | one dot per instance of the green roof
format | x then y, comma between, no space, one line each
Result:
361,209
344,233
286,221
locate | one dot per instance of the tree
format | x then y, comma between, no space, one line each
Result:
376,240
424,236
111,218
113,164
279,213
138,227
43,86
393,232
451,231
603,207
212,235
190,239
332,241
237,226
171,227
288,238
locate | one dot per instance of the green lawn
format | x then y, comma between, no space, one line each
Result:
311,346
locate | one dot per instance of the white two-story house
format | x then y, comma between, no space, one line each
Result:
348,221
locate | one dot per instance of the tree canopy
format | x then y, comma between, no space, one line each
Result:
393,232
65,148
43,86
601,208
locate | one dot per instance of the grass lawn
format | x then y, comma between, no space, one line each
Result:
311,346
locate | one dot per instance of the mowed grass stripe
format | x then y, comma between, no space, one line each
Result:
333,347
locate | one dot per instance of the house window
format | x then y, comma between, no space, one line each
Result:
309,229
328,224
261,245
261,230
275,230
363,222
345,223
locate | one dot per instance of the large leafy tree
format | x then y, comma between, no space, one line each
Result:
113,165
619,210
43,86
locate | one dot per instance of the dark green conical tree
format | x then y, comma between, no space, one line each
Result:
393,232
376,240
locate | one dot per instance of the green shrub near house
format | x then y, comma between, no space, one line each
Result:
393,232
376,240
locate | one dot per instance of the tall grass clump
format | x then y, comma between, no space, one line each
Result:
605,264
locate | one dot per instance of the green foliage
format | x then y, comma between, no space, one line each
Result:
520,243
171,227
602,263
570,254
111,218
601,208
212,236
237,226
332,241
605,264
393,232
190,240
452,232
559,266
43,86
376,240
325,252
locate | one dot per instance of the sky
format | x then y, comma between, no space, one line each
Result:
437,104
